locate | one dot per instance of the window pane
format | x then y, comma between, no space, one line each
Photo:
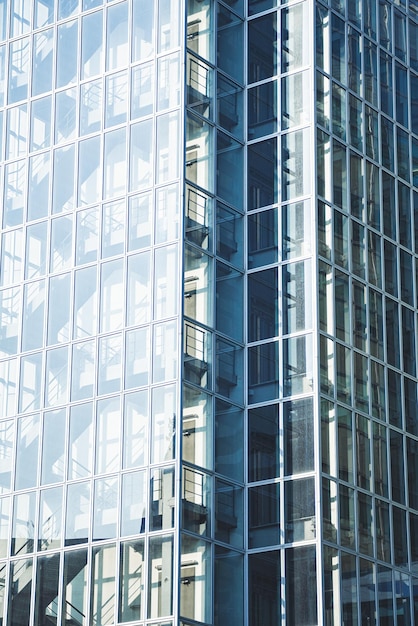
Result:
137,358
167,140
59,309
262,174
30,383
19,604
7,437
264,522
14,193
50,524
264,372
262,37
114,164
35,263
53,447
141,156
108,429
131,595
42,73
56,377
160,576
163,423
112,298
263,443
91,107
67,53
83,370
168,76
117,54
77,520
89,175
300,510
135,445
263,305
27,452
298,436
297,365
17,122
80,446
75,588
23,529
105,516
87,236
295,100
166,282
168,25
134,503
65,115
18,70
143,30
196,579
265,583
295,44
91,45
162,505
61,243
116,99
301,597
11,257
85,303
87,243
9,320
63,181
297,298
46,591
103,603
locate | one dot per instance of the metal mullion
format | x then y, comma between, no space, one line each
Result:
35,557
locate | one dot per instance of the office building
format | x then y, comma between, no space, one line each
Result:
208,304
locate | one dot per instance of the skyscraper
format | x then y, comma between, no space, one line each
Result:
208,305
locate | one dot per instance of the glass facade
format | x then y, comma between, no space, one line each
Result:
366,89
208,305
91,262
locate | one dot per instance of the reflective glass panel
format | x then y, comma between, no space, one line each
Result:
80,441
75,603
77,514
135,433
134,503
50,519
46,590
53,447
131,594
103,585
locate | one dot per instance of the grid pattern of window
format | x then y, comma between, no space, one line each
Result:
208,297
212,499
91,136
281,316
367,147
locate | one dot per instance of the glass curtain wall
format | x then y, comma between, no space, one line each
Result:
367,86
281,301
208,235
91,147
212,498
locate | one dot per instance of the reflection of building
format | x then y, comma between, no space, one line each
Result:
208,295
